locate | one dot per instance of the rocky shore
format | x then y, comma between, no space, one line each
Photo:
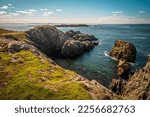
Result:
130,86
27,70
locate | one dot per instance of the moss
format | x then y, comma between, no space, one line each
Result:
24,75
16,35
3,46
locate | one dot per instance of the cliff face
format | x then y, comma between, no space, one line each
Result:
27,73
138,86
48,39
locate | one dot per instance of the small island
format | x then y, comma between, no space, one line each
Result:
71,25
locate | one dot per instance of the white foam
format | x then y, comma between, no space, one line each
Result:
106,54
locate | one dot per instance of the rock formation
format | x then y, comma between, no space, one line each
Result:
138,86
77,44
123,68
47,38
27,73
123,50
53,42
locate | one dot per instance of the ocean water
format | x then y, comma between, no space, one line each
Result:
96,64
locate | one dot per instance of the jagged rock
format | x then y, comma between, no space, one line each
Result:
84,37
123,50
138,87
72,33
78,43
117,86
72,48
17,46
47,38
123,68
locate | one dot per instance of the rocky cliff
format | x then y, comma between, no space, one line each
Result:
136,86
27,73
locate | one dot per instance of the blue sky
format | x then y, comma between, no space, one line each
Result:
75,11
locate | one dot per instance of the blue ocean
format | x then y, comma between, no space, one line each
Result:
96,64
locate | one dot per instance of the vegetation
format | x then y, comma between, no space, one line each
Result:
23,75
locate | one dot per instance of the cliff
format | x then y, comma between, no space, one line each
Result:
26,72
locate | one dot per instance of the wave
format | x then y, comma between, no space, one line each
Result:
107,55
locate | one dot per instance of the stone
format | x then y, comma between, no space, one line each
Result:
48,39
123,50
123,68
117,85
72,48
138,86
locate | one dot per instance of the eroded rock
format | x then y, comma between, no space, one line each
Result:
138,87
123,50
47,38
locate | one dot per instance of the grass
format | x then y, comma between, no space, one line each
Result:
24,75
16,35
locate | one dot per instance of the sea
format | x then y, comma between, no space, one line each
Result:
97,64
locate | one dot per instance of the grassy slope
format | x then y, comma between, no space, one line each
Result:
24,75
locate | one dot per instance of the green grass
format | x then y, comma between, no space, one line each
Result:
24,75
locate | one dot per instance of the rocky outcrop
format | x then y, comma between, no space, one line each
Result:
53,42
123,50
117,85
77,44
47,38
138,86
123,68
27,73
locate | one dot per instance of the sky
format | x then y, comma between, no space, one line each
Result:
75,11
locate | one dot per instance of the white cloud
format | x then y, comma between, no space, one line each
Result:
117,12
43,9
32,10
4,7
59,10
29,12
48,13
14,14
9,4
141,12
3,12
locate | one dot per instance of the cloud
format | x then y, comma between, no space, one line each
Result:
141,12
32,10
43,9
29,12
48,13
4,7
3,12
117,12
9,4
14,14
59,10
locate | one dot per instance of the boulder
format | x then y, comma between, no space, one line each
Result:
72,33
123,50
73,48
85,37
78,43
17,46
47,38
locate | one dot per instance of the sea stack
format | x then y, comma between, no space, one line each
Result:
125,52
